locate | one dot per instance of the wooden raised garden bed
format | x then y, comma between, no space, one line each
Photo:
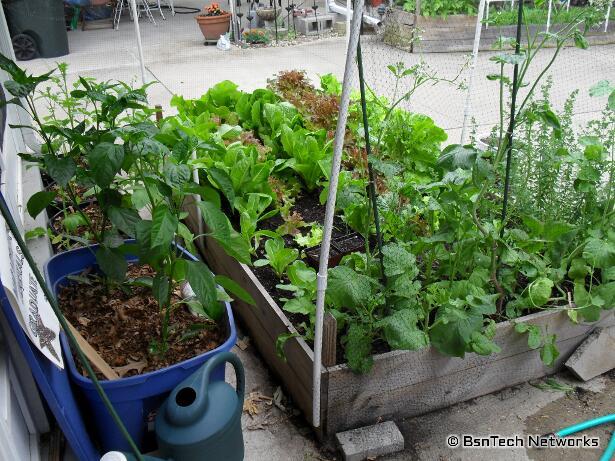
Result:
401,383
455,33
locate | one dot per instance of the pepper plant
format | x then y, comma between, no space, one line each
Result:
141,178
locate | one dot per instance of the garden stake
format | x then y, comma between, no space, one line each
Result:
368,149
315,8
288,8
239,15
8,217
511,125
275,19
325,246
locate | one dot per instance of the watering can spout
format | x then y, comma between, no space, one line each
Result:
204,416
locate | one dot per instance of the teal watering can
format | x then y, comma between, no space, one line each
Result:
201,420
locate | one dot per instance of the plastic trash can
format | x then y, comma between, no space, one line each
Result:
37,28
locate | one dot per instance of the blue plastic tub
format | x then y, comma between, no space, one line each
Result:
136,398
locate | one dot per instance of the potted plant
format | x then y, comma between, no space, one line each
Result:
213,21
131,260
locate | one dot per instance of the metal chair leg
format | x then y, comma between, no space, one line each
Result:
160,10
117,14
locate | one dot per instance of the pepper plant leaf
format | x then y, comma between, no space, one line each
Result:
202,282
124,219
61,169
105,161
112,262
164,226
235,289
39,201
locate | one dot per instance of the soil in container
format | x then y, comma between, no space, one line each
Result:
122,323
313,256
349,244
91,210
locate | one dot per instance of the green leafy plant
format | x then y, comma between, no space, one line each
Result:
277,256
256,36
312,238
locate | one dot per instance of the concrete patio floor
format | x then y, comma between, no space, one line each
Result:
179,64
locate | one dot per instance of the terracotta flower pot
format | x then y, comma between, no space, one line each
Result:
213,26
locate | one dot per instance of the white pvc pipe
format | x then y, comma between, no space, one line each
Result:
197,199
234,28
340,132
606,21
135,17
348,16
549,15
468,104
342,10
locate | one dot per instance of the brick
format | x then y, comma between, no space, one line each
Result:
370,441
595,355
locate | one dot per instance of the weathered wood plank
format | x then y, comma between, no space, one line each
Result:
329,340
359,407
391,369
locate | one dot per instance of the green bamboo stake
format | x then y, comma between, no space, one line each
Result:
511,125
8,217
368,149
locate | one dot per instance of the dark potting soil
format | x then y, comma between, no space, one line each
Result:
349,244
90,209
310,210
122,324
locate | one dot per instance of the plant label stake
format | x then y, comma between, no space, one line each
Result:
39,321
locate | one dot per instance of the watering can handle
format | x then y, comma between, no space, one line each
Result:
240,377
190,414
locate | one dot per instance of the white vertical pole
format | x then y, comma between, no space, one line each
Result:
468,104
608,16
135,19
321,278
234,28
549,15
348,15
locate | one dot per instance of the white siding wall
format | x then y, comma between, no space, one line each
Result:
21,416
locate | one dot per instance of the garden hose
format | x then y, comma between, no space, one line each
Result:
8,217
609,453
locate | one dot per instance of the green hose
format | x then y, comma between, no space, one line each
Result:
609,453
585,425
